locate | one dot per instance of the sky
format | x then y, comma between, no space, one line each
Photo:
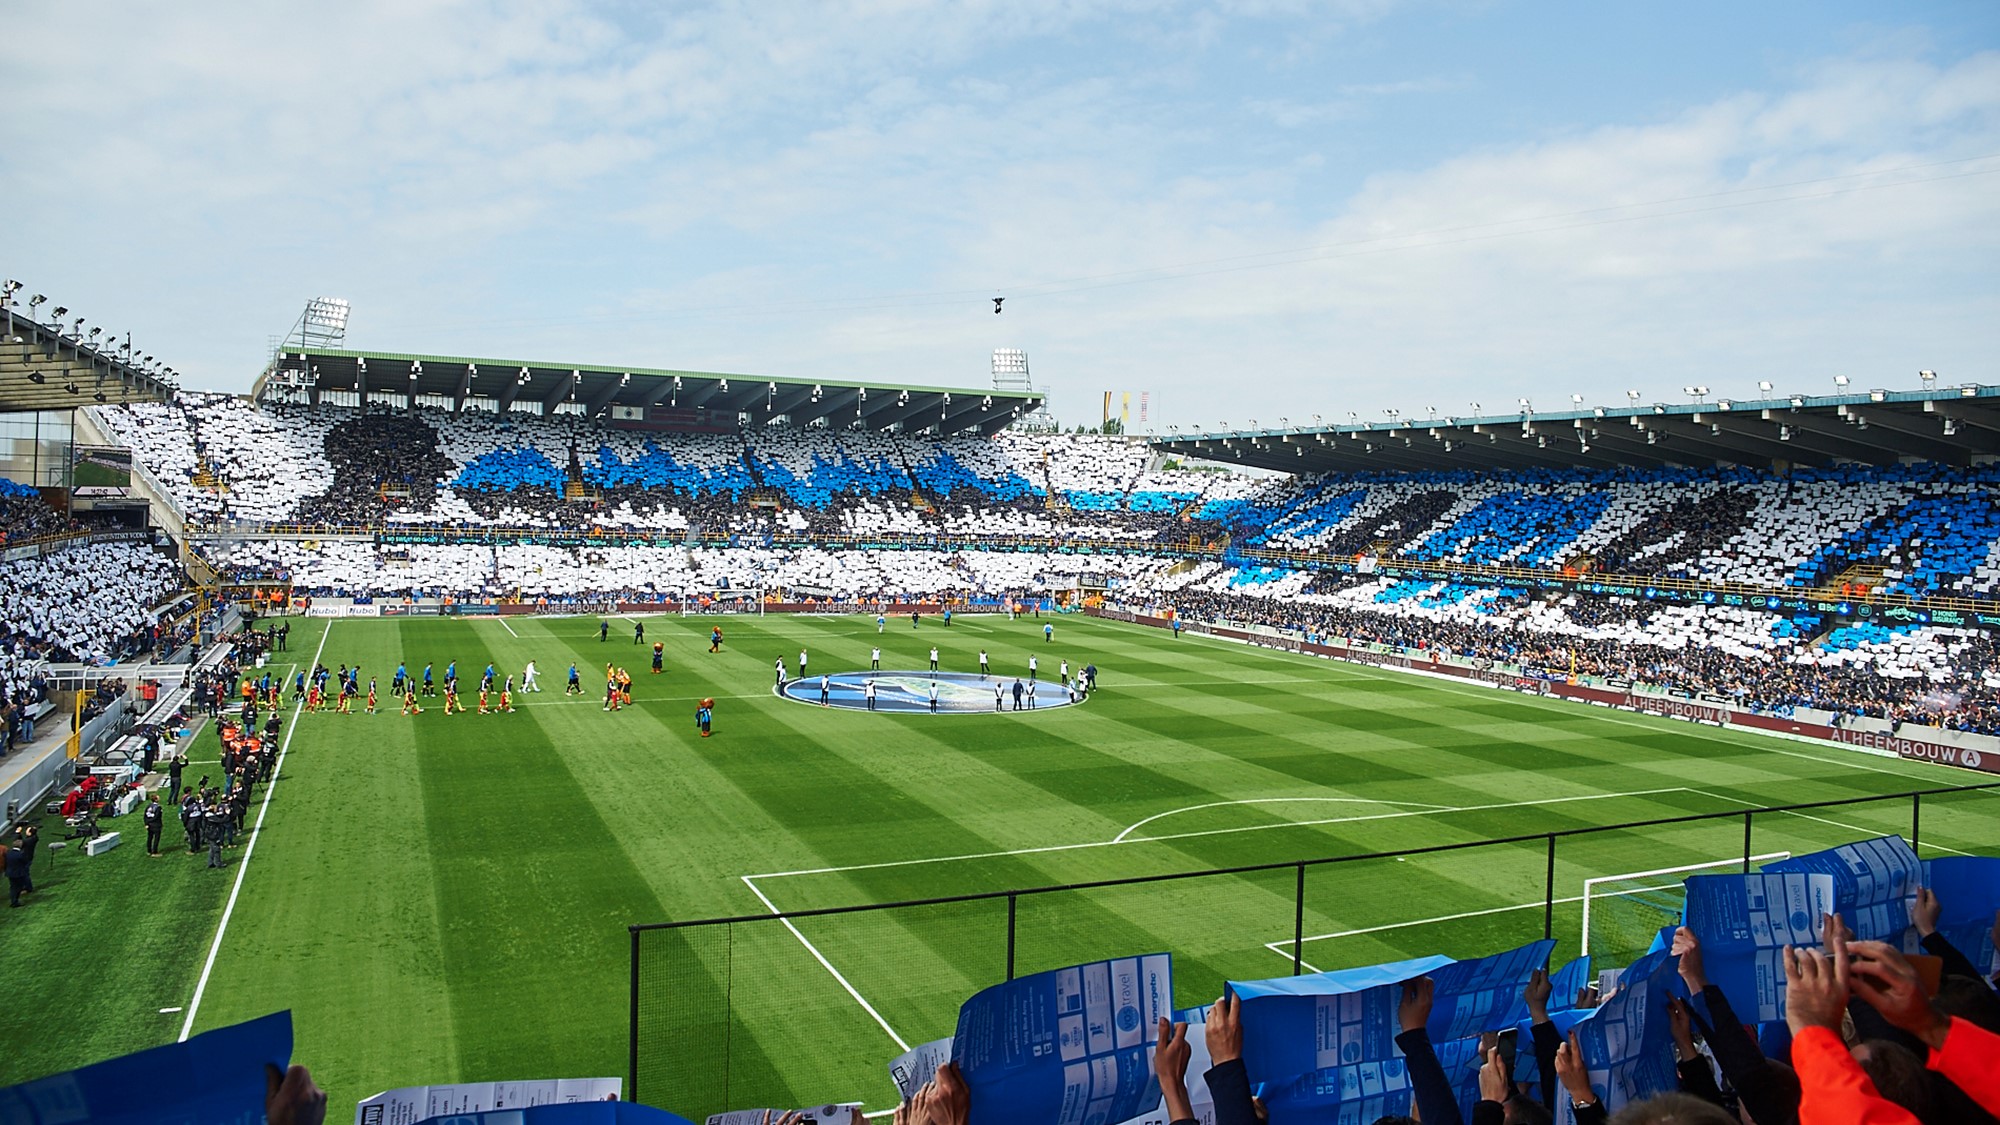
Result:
1246,210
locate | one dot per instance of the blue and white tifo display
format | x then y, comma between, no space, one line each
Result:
956,693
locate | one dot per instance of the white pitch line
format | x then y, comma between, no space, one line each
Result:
509,628
826,964
1823,820
1212,832
243,865
1282,945
1120,838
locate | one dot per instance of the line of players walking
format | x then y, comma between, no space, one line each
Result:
1024,692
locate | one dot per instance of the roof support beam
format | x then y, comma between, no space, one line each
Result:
698,396
918,404
600,401
789,401
504,401
1913,434
563,391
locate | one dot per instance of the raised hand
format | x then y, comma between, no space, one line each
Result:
1924,912
1493,1078
1681,1024
1881,976
1537,994
1414,1010
1687,947
1572,1073
290,1098
1170,1063
944,1100
1816,983
1224,1029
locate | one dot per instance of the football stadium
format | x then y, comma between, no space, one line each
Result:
502,741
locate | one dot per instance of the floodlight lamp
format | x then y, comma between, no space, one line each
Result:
1968,390
1764,385
37,377
1798,401
1315,419
1840,380
1577,399
1597,410
1877,394
1659,408
1475,408
1632,397
99,396
72,388
59,312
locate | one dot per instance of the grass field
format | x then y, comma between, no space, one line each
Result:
443,899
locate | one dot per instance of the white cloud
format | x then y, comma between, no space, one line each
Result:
823,189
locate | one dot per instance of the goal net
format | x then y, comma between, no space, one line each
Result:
1622,913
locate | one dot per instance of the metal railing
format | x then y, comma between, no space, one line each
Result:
684,1051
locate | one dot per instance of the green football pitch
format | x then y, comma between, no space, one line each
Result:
447,898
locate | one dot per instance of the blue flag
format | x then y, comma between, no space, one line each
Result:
215,1078
1068,1046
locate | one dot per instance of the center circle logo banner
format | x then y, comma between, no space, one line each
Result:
958,693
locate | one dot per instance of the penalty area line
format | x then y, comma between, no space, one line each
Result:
748,881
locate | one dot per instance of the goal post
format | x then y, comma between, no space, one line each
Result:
1622,912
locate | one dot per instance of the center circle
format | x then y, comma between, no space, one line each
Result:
909,693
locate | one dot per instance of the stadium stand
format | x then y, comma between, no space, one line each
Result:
872,514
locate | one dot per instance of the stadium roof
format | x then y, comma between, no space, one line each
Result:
42,368
1950,425
641,392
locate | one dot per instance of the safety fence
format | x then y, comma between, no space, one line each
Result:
797,1006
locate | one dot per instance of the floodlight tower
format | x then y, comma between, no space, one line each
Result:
322,325
1010,370
1010,374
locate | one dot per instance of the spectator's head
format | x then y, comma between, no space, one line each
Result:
1898,1075
1673,1109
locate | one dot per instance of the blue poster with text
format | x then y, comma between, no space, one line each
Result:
1874,883
1296,1025
1628,1045
1067,1047
1745,921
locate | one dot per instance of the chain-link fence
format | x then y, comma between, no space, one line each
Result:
789,1008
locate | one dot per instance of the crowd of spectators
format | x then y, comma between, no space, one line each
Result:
1771,680
25,515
